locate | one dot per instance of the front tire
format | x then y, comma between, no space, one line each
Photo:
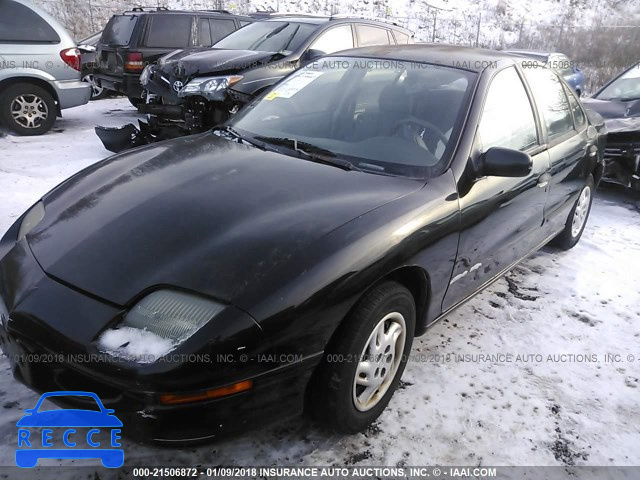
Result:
577,219
27,109
365,360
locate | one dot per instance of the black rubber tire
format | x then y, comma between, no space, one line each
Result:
136,101
330,394
565,240
14,91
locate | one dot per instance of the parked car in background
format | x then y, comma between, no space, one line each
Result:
619,103
192,91
293,253
559,62
132,40
39,69
88,47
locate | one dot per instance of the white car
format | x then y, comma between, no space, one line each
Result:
39,69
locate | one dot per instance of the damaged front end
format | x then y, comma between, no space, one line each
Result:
622,156
175,106
622,147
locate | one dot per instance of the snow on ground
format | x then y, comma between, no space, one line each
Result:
551,399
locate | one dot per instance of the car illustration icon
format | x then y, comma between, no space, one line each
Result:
63,435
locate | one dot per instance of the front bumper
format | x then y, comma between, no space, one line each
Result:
127,84
47,351
72,93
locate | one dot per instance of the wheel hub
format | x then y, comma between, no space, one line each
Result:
379,361
581,211
29,110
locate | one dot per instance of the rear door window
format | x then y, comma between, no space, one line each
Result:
204,33
551,100
220,28
368,35
20,24
119,29
169,31
579,118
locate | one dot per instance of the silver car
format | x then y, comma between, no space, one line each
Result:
39,69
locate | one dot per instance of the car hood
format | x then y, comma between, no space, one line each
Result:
186,64
619,116
201,213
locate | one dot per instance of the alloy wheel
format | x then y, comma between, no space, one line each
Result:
379,361
96,90
29,110
581,211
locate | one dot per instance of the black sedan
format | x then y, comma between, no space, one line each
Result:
285,261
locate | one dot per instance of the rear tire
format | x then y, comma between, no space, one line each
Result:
365,360
27,109
577,219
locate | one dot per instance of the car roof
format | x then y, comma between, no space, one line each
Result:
321,20
473,59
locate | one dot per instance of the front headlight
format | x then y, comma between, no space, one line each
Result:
146,75
211,88
157,324
31,219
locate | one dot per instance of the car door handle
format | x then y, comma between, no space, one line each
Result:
543,180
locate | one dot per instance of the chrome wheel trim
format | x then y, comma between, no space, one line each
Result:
29,110
379,361
96,89
581,211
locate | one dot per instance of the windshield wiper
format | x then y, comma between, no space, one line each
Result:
245,138
311,152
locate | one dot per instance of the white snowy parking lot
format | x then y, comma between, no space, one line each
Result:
542,368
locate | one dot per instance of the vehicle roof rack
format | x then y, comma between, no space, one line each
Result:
150,9
364,17
286,14
216,10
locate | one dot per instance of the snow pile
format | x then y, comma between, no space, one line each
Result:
134,344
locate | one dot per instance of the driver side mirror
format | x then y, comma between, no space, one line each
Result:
311,54
504,162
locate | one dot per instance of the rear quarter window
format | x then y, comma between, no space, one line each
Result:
119,30
401,38
20,24
368,35
169,31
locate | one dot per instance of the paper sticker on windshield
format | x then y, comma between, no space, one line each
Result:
289,88
271,96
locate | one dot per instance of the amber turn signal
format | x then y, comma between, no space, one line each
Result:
175,398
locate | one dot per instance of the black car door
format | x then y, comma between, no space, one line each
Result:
571,143
501,217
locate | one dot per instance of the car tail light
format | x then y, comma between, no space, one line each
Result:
71,56
133,62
